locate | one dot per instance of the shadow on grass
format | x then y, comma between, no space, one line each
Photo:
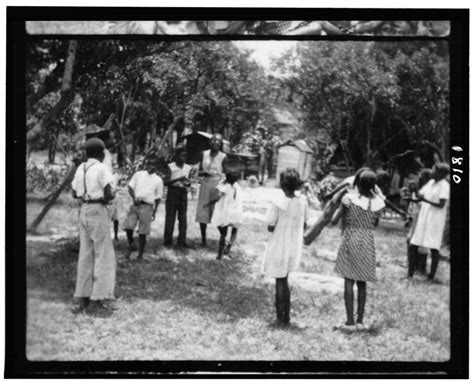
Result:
190,278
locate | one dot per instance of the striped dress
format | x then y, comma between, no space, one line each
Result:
356,255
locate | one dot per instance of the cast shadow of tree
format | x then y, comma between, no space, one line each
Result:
222,287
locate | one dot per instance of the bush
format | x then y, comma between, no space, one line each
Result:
326,185
44,179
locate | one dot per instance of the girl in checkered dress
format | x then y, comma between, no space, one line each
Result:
360,210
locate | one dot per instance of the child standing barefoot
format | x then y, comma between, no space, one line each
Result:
286,221
228,211
360,210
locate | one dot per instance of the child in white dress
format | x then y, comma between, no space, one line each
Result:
286,221
228,211
428,230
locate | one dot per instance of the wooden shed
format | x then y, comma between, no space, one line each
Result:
295,154
244,164
197,142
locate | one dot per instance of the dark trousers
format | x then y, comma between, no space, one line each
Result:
176,203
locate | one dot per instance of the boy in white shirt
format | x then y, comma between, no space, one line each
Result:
146,190
93,184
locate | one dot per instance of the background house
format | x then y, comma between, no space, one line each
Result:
197,142
295,154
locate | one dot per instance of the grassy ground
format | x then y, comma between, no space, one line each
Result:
188,306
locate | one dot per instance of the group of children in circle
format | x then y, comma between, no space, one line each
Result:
221,203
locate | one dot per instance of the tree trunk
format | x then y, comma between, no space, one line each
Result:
134,147
122,150
52,151
65,99
270,164
48,205
261,165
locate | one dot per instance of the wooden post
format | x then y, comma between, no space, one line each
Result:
312,233
50,203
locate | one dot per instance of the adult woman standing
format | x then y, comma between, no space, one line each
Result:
211,169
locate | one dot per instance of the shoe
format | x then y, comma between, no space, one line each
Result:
95,307
361,327
132,247
433,280
346,328
77,310
167,244
227,249
81,306
183,245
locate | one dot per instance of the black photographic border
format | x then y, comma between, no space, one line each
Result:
16,363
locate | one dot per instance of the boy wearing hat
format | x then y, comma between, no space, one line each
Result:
93,184
146,190
177,197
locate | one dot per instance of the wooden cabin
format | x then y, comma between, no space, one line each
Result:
197,142
244,164
295,154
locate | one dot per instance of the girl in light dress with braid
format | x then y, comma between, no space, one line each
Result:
360,211
286,221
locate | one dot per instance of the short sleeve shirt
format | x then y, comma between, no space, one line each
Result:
97,176
147,187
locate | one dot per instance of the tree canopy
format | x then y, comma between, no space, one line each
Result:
380,103
375,103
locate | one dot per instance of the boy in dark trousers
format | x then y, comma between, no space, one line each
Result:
177,182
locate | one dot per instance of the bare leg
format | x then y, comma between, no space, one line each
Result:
233,236
361,296
203,233
141,245
287,300
131,245
412,259
280,299
349,300
434,263
223,232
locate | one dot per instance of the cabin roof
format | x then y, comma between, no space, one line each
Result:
300,144
202,133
